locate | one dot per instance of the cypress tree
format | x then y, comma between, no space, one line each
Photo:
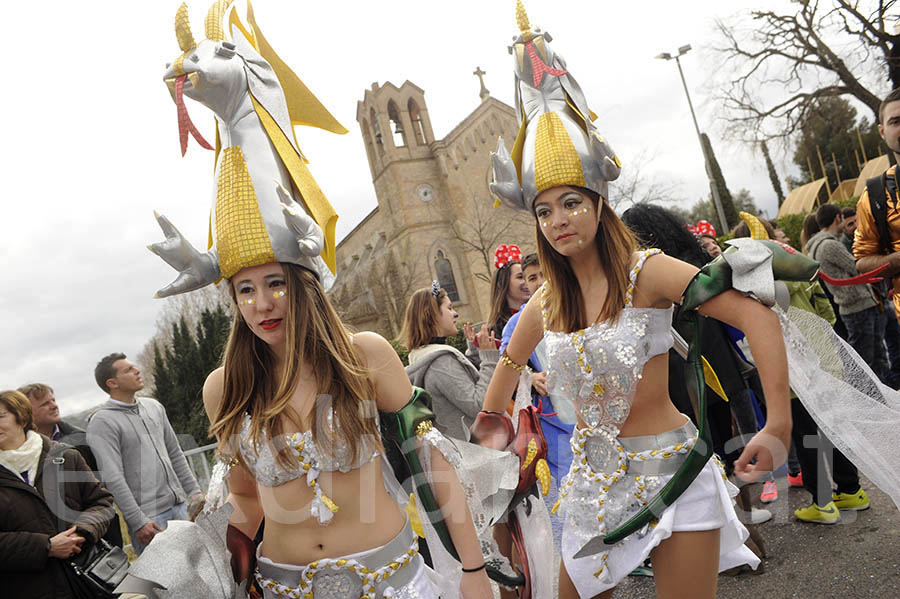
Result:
773,176
731,215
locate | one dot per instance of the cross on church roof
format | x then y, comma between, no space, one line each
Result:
484,94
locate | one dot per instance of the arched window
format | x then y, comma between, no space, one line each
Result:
379,140
399,135
445,277
416,117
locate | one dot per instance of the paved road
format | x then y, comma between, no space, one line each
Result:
858,558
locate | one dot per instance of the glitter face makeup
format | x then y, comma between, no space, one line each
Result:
250,301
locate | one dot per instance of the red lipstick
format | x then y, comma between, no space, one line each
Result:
270,324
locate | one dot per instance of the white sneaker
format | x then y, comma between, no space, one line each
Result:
758,516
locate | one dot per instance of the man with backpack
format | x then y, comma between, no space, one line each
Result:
877,238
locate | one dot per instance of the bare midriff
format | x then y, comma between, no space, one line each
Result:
368,517
652,411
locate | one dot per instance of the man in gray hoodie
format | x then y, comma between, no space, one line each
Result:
856,303
138,454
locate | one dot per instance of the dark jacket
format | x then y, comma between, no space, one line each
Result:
77,438
66,491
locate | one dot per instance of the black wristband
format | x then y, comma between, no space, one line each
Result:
479,568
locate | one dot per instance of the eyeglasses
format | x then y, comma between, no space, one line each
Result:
249,301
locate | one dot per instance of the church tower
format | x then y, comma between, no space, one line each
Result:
434,219
398,137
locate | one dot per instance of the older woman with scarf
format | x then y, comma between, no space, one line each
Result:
53,507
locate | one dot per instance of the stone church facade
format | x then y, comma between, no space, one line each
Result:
434,219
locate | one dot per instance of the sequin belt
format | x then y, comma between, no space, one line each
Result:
375,575
648,455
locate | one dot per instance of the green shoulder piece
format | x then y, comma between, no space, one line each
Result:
790,265
713,279
403,428
787,265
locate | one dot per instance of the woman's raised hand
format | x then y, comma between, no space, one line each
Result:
539,382
485,338
469,332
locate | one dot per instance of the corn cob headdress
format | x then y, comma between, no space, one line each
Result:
557,143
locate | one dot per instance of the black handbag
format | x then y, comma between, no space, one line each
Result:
97,571
99,568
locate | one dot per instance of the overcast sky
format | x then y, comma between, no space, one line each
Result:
92,142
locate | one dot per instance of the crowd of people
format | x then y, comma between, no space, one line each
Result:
630,376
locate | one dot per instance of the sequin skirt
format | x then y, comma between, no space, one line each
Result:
612,478
393,571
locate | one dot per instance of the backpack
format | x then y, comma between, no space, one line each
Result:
878,189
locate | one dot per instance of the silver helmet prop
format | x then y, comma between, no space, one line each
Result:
267,207
557,143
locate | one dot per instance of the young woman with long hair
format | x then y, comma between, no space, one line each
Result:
810,228
456,387
305,412
509,290
605,314
296,386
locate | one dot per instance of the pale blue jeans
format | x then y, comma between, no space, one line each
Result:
176,512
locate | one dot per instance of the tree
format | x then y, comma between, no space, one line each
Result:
181,368
705,209
731,215
393,279
482,228
782,62
830,128
190,307
773,175
635,186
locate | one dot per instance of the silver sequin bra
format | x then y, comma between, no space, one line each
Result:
600,366
310,461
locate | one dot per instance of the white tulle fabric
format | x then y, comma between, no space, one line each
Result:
859,414
488,478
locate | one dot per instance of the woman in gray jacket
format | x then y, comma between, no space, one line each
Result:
455,385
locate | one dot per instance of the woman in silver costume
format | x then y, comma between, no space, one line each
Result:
302,409
293,374
614,335
604,314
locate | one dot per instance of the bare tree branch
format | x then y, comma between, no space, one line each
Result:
483,229
635,186
779,64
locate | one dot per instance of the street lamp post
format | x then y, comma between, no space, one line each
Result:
706,158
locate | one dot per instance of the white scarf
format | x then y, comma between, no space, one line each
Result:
25,458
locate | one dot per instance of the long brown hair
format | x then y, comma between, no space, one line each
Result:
810,228
315,336
500,310
615,246
421,320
